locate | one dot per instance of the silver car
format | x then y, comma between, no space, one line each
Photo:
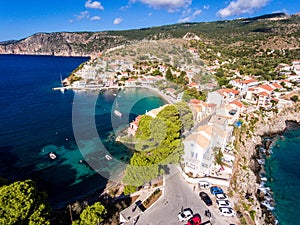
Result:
223,203
184,215
226,211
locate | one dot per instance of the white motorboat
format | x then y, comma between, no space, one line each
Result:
117,113
52,155
108,157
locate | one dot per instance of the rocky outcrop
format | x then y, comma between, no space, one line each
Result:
245,182
63,44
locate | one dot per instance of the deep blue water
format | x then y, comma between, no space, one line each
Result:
283,173
35,120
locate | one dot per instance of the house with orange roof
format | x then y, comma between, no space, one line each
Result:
199,109
130,82
230,111
194,85
263,99
133,126
265,88
276,86
243,85
209,86
222,96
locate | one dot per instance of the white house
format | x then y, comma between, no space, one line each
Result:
222,96
198,151
243,85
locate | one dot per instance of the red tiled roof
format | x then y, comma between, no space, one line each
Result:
194,101
248,81
228,90
193,84
277,85
263,93
212,105
237,103
266,87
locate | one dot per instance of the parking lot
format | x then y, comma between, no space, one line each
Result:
178,194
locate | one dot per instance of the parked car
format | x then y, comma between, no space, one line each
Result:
204,184
185,215
195,220
205,198
226,211
223,203
216,190
221,197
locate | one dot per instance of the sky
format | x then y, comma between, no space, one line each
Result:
22,18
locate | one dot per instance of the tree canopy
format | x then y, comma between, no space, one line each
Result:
158,144
91,215
186,116
193,93
22,203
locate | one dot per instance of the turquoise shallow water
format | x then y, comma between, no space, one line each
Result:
283,173
36,120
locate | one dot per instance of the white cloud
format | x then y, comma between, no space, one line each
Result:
188,16
239,7
206,7
170,5
123,8
150,14
94,18
93,5
118,21
83,15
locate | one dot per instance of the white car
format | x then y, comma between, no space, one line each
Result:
185,215
226,211
221,197
223,203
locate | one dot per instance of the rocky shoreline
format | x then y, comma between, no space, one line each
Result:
255,199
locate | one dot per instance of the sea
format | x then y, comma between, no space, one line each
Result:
79,127
282,171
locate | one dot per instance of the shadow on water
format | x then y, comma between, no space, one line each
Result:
7,160
57,182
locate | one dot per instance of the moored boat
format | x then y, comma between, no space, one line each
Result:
52,155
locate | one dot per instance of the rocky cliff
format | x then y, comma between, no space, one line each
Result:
245,180
63,44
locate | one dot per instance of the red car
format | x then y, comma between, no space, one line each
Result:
195,220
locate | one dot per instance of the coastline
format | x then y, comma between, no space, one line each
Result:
168,99
257,207
46,54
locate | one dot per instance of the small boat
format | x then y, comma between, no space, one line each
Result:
52,155
62,89
117,113
108,157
